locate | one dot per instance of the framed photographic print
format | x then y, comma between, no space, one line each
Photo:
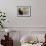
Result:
24,11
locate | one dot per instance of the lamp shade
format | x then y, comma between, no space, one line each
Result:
7,30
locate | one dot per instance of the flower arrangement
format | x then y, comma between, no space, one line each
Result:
2,19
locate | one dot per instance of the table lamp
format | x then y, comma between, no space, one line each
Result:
7,31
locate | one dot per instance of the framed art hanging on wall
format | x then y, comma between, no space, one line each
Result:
23,11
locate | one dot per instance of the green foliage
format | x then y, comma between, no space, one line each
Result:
2,19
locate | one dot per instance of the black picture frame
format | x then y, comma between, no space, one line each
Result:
22,13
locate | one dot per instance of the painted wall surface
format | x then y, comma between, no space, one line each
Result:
38,13
36,22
